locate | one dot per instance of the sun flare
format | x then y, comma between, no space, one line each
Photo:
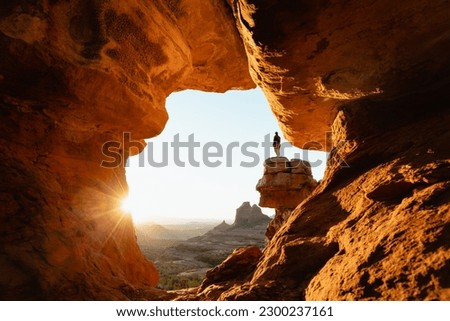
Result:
135,208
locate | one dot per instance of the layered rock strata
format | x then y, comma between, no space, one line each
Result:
284,185
77,74
248,215
376,74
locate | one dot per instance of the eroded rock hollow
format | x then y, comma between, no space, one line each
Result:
367,81
75,75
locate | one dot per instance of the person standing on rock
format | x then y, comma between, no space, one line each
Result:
277,144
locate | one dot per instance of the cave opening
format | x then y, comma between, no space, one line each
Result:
191,179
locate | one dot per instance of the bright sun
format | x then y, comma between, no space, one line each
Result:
136,208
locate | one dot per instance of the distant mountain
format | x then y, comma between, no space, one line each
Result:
248,216
156,231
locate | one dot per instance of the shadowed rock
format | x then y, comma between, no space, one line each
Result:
367,81
237,266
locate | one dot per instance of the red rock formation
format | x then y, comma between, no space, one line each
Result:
73,76
76,74
284,185
237,266
373,230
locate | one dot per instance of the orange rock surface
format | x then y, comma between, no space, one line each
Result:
376,230
366,80
73,76
284,185
312,57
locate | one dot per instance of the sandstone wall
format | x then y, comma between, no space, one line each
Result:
311,57
74,75
376,73
376,230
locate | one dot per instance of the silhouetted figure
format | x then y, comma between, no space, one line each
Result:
277,144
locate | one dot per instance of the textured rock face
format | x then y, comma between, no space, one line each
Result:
76,74
310,57
392,218
280,218
247,215
73,76
373,230
284,185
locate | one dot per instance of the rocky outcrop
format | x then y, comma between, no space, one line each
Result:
313,57
284,185
369,231
76,75
248,216
197,255
376,228
81,84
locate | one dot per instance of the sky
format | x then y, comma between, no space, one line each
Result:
222,166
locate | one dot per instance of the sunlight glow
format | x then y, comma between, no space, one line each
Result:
136,208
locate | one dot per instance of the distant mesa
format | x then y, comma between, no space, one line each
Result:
247,216
284,185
